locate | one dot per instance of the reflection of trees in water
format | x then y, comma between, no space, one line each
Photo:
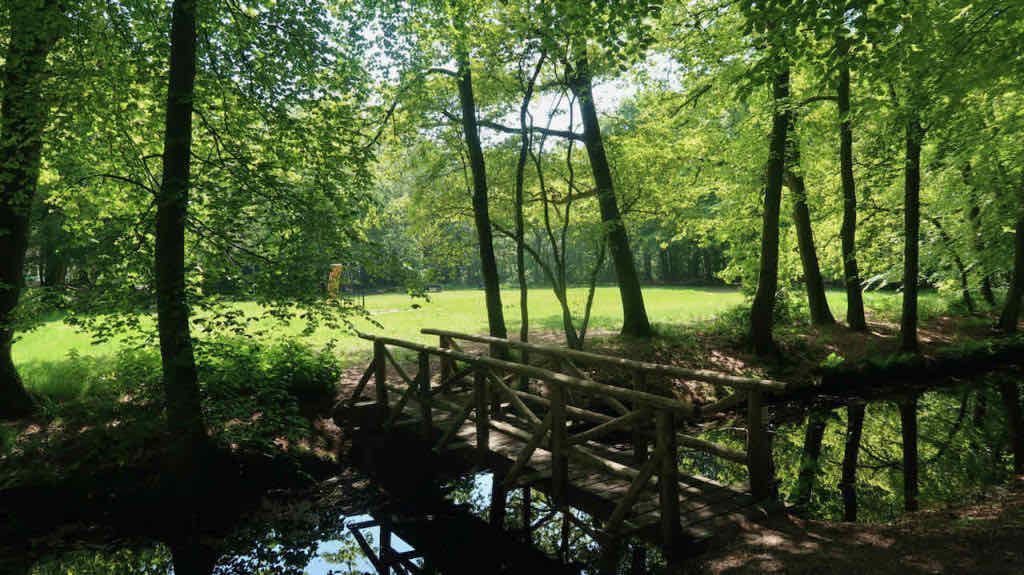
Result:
957,456
146,560
571,536
284,543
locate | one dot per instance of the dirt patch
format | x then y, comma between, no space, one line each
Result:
985,537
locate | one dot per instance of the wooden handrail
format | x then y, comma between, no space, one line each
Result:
584,385
736,381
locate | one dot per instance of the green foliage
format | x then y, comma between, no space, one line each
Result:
833,361
101,412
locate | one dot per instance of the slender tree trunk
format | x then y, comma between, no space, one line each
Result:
34,29
54,263
848,484
1011,403
848,232
181,386
810,459
761,315
481,213
908,425
911,233
634,314
977,241
958,262
1011,309
816,301
524,152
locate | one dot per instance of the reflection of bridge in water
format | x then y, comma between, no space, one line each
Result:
609,450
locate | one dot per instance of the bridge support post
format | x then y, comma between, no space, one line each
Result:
380,380
423,384
559,444
641,427
759,449
483,424
668,481
445,342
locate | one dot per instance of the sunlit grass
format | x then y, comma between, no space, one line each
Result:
402,316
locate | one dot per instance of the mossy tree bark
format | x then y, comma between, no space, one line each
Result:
35,27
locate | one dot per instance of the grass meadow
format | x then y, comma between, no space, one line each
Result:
38,352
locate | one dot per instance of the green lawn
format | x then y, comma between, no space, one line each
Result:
462,310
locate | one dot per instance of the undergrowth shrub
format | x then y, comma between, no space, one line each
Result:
102,411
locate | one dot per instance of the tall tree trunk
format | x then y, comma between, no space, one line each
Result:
35,26
816,301
181,386
634,314
911,233
481,213
1011,309
848,232
848,483
810,459
1011,403
761,315
524,152
908,426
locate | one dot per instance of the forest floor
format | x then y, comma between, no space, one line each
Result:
981,537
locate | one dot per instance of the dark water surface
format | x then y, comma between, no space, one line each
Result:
398,514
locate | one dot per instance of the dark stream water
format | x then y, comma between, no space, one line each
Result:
429,522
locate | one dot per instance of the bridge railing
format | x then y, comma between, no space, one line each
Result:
646,415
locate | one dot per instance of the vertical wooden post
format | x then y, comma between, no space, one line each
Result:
445,342
380,380
483,426
423,383
668,481
495,398
908,421
559,444
641,427
759,449
524,380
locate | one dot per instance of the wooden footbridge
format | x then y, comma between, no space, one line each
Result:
610,450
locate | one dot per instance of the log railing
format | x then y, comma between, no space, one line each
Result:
541,421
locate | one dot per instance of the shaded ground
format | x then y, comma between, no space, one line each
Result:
985,537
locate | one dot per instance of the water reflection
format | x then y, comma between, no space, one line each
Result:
402,516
